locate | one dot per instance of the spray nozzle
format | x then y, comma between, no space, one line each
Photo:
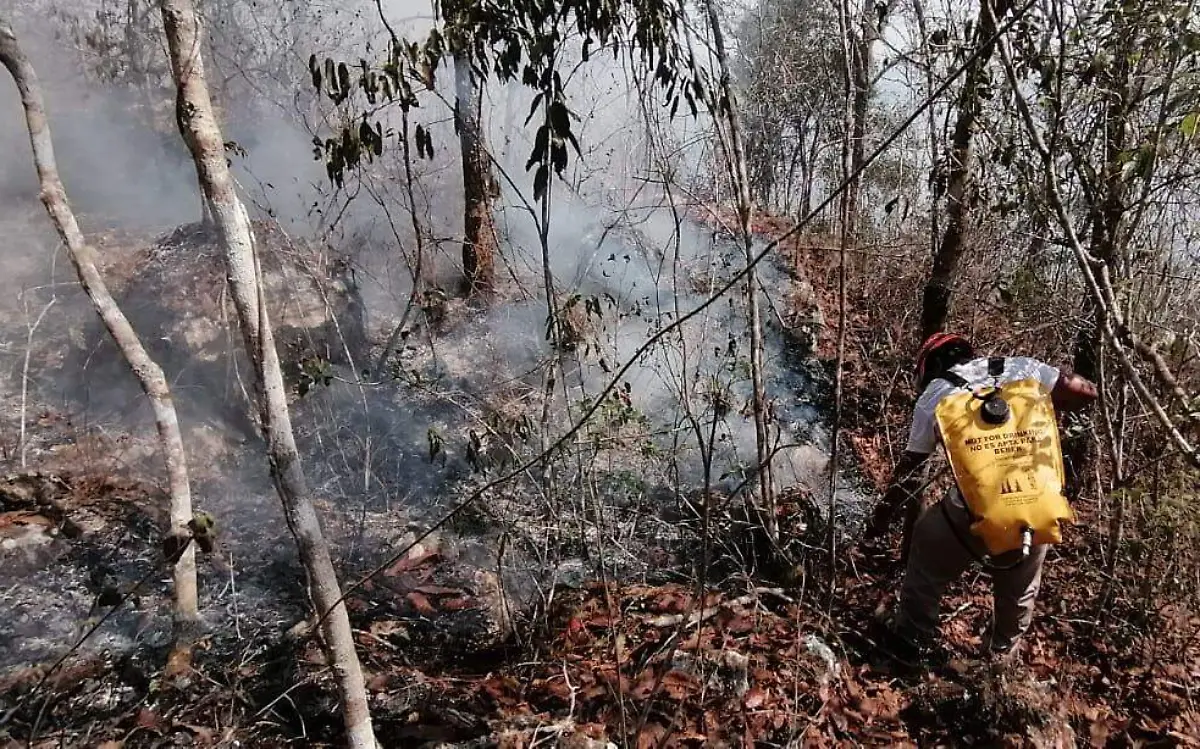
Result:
995,409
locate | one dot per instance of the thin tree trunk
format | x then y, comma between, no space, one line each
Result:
930,87
1106,215
862,61
203,136
935,306
736,152
789,183
148,373
479,185
810,169
845,236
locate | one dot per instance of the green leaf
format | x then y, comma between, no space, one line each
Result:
1189,125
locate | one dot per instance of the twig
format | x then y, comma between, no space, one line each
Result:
618,377
1095,276
237,619
79,643
283,696
24,446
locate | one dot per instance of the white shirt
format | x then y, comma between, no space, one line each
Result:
923,435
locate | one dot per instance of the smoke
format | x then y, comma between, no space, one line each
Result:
631,254
482,389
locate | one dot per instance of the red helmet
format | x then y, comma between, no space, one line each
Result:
938,342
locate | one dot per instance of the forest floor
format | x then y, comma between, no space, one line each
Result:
1113,658
648,666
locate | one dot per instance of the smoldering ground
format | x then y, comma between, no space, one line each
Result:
465,398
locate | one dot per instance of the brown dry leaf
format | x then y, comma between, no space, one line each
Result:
762,674
458,604
421,603
503,689
671,603
438,590
687,736
679,685
313,654
204,736
740,624
179,663
755,698
602,621
867,707
557,688
645,684
651,736
148,719
724,616
386,627
414,559
378,682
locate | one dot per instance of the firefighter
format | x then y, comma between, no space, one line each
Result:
1006,505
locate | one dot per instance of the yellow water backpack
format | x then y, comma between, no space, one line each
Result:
1003,445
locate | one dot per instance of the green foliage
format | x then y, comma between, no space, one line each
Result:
506,41
314,372
1187,125
204,531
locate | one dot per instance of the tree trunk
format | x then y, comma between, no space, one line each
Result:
930,88
862,61
1106,216
479,185
148,373
935,306
181,122
736,152
203,137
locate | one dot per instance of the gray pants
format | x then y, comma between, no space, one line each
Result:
937,557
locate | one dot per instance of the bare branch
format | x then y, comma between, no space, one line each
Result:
1113,322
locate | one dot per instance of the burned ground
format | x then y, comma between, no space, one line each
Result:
571,618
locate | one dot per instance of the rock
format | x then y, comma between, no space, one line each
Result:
728,671
817,647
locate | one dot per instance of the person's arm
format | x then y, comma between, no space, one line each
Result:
905,487
1072,393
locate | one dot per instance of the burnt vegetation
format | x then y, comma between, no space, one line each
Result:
537,364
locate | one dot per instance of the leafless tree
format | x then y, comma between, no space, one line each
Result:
203,136
935,305
733,145
149,374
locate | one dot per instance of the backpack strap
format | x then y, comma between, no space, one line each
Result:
954,378
996,366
